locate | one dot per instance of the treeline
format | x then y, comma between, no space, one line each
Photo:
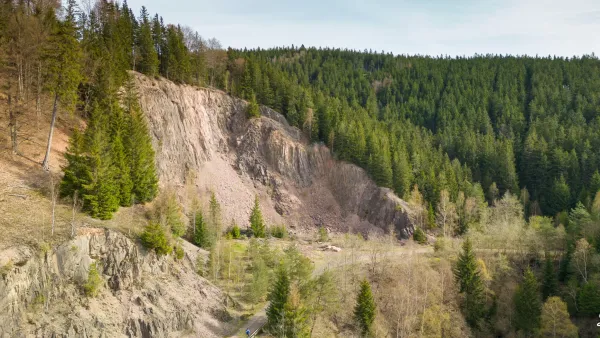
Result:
519,124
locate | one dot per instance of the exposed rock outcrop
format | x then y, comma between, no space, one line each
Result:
206,132
143,295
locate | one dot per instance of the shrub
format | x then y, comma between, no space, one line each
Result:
279,231
439,245
94,281
178,251
419,236
235,231
322,234
4,270
155,238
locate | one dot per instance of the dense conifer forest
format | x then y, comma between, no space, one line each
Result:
527,125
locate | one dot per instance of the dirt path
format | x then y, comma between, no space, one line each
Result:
332,261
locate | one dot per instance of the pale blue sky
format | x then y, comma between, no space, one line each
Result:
432,27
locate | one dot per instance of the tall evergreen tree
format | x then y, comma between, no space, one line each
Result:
468,277
202,236
528,306
256,220
278,298
76,170
62,59
140,150
550,283
101,192
148,57
364,311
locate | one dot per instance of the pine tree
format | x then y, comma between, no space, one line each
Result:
155,238
468,277
296,315
76,168
528,307
140,150
253,109
148,57
588,299
246,89
202,236
550,283
364,311
402,174
121,158
256,220
559,198
278,298
62,60
101,193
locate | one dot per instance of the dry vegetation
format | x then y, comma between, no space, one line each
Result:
26,190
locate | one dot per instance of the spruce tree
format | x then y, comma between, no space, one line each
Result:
76,169
101,193
253,109
364,311
202,236
468,277
588,299
402,174
121,158
63,67
140,150
148,57
155,238
528,306
550,283
296,315
256,220
278,298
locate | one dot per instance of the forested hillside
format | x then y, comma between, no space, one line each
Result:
512,122
498,151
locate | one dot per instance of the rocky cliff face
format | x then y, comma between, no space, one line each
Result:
143,295
205,132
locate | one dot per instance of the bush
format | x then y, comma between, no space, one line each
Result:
419,236
279,231
93,283
155,238
178,251
322,234
235,231
439,245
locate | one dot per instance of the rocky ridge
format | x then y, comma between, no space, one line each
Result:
144,295
206,132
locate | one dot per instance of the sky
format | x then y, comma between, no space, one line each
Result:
424,27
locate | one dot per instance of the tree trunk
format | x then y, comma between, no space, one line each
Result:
38,97
12,124
45,163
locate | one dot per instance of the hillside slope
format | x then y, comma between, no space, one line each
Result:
206,133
